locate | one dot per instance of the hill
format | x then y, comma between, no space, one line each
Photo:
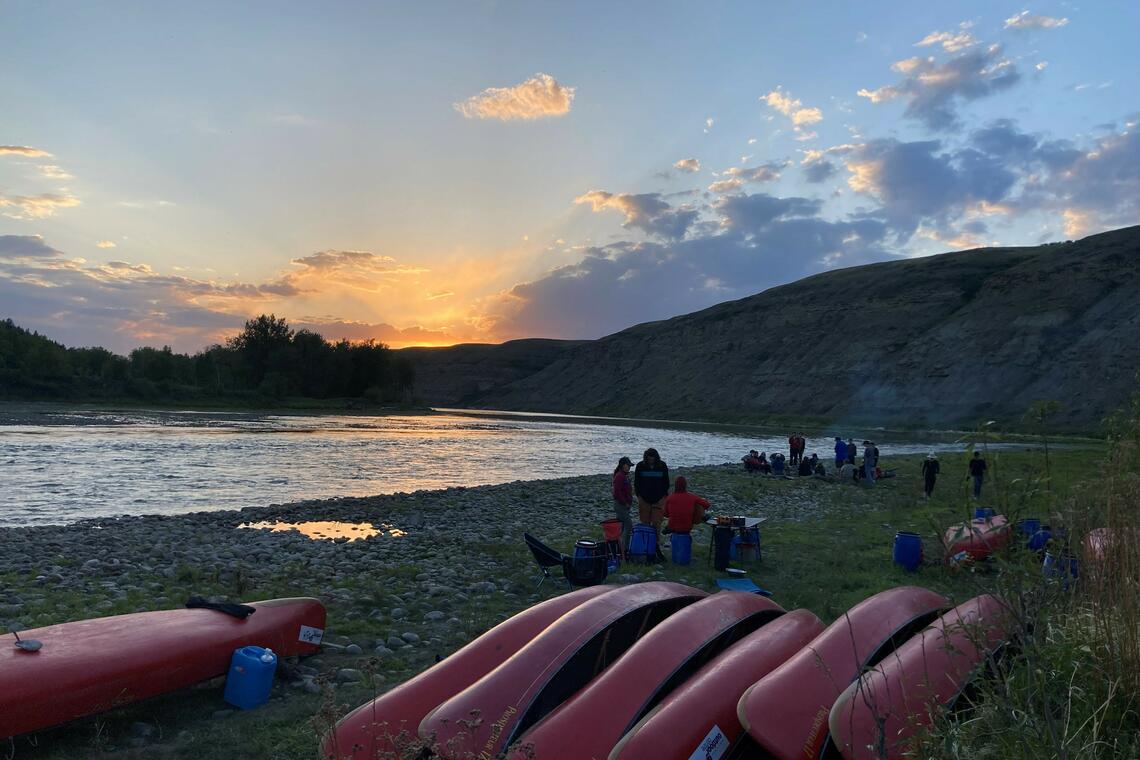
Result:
945,340
461,375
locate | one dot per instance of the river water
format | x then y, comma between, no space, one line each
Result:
64,466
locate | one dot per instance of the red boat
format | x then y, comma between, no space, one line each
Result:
486,717
977,539
591,722
785,712
388,724
701,713
878,714
91,666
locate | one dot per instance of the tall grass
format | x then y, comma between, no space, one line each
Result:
1070,685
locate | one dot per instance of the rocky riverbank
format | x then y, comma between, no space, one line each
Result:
443,567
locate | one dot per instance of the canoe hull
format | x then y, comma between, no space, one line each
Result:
660,661
483,719
878,714
786,711
977,539
91,666
389,723
702,712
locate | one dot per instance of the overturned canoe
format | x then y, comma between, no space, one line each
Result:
701,713
786,711
483,719
591,722
977,539
388,724
876,716
90,666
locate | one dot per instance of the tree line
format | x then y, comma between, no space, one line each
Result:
267,360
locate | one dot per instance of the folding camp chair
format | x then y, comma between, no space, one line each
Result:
546,558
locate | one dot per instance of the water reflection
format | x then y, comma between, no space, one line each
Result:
329,529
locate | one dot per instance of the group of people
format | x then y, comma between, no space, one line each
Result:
778,465
650,487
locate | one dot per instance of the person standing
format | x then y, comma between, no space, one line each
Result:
852,450
840,452
651,485
623,500
978,473
869,463
792,448
930,469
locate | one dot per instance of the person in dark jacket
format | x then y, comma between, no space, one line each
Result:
840,452
805,467
623,499
930,469
651,484
978,473
852,450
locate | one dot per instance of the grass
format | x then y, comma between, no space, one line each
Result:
828,562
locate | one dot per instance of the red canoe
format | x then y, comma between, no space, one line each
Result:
701,713
786,711
388,724
591,722
978,538
878,714
91,666
483,719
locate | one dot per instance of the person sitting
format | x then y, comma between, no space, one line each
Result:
849,472
805,467
683,510
778,464
751,461
765,466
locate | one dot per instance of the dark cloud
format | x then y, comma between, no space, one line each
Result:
819,171
917,182
645,211
759,241
20,246
933,90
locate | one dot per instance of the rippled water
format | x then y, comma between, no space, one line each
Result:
98,464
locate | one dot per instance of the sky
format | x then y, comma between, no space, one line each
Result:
430,173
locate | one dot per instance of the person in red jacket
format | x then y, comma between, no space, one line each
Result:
623,499
684,509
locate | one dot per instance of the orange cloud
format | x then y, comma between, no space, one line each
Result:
536,98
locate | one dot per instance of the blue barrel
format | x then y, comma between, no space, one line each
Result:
643,544
682,548
1062,568
584,549
251,677
983,513
908,550
1038,540
1029,526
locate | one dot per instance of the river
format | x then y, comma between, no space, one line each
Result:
64,466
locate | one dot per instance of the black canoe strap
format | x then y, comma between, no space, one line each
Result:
237,610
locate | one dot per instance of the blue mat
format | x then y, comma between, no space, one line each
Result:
741,584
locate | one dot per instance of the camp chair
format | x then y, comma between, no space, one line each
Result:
546,558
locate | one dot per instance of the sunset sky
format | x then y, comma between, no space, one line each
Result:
432,173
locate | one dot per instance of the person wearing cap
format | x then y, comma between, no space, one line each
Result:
930,469
623,499
651,486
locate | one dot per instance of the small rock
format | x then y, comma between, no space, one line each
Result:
353,649
349,675
411,638
395,642
435,615
221,714
398,613
383,651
